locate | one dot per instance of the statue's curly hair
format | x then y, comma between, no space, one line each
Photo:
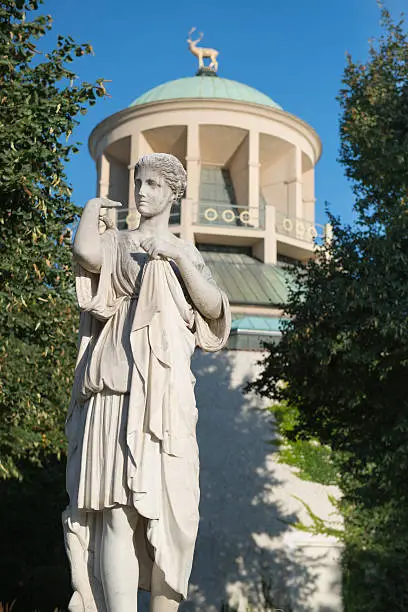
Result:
169,167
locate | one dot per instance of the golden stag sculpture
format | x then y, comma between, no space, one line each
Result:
202,52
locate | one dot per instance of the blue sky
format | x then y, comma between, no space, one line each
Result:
293,51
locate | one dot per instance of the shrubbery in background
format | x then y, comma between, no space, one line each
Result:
313,461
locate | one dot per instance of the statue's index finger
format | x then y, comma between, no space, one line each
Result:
107,203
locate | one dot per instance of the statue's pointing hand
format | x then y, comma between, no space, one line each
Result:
103,204
107,203
157,249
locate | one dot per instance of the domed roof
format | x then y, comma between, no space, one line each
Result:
205,87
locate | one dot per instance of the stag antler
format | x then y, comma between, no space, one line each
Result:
200,35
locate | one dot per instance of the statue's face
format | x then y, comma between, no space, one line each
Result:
152,193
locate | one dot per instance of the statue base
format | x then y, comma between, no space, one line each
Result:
206,71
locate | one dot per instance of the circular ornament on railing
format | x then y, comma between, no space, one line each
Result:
312,232
245,217
287,225
210,214
228,216
300,229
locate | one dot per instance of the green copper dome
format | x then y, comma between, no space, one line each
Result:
205,87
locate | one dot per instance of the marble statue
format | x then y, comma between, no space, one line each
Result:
202,52
147,300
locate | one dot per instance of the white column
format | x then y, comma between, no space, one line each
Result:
193,162
133,215
270,247
308,195
186,224
102,188
253,177
191,201
294,182
144,147
103,176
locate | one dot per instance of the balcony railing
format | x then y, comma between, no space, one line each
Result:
300,229
228,215
234,216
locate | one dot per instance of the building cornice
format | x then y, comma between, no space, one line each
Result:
186,104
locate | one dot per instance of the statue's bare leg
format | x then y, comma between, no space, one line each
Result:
119,564
163,598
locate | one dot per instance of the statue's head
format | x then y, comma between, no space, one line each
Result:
169,167
160,180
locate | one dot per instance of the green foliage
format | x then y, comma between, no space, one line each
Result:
373,127
318,526
314,461
343,358
375,558
40,99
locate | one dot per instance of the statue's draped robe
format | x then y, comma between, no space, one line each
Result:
132,418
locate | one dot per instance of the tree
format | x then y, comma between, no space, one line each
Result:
40,100
343,358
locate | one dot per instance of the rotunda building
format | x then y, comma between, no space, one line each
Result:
250,200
